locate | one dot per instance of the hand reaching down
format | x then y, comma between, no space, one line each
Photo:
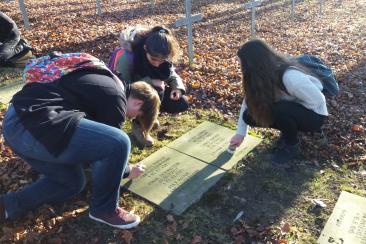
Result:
136,170
236,141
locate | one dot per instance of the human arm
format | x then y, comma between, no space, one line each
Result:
241,129
305,89
175,81
134,171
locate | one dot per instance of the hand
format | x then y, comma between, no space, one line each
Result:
236,140
158,83
136,171
176,94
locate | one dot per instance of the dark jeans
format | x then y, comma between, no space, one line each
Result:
170,106
104,147
289,118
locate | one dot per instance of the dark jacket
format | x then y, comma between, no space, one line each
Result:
51,111
8,29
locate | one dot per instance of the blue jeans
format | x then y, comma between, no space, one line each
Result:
104,147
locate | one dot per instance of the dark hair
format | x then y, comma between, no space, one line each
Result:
262,70
159,42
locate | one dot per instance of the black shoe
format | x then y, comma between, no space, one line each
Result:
279,143
285,154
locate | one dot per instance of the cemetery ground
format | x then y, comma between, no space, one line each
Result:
278,205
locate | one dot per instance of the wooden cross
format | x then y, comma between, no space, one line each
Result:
99,11
188,21
293,9
252,5
321,6
24,13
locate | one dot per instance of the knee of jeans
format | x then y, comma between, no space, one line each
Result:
121,143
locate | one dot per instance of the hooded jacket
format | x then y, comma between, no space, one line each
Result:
126,71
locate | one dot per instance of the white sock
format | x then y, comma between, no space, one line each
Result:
6,215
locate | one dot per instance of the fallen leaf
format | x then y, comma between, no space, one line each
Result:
358,128
196,239
319,203
285,228
126,236
238,216
170,218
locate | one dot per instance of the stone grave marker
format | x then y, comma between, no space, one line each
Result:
252,5
174,180
209,142
177,175
7,92
188,21
347,223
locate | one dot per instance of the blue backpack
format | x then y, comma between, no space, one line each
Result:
322,71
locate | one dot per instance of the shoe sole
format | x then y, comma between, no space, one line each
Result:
124,227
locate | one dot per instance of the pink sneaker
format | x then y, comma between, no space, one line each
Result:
120,219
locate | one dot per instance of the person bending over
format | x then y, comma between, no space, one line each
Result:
61,125
280,94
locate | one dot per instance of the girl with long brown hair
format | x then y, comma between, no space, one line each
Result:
280,94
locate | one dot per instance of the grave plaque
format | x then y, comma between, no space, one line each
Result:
209,142
7,92
177,175
347,223
174,180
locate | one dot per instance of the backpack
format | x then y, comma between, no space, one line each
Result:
52,67
317,67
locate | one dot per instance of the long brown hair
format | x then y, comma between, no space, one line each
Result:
151,103
262,70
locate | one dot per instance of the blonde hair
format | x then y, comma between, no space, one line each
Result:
151,103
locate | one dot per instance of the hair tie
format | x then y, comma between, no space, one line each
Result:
162,31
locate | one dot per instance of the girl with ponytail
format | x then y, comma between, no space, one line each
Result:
147,54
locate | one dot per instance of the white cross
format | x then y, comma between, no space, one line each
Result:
99,11
24,13
293,9
321,6
188,21
252,5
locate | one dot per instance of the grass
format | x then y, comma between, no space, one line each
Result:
269,197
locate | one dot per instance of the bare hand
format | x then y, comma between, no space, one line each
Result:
158,83
136,171
176,94
236,140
